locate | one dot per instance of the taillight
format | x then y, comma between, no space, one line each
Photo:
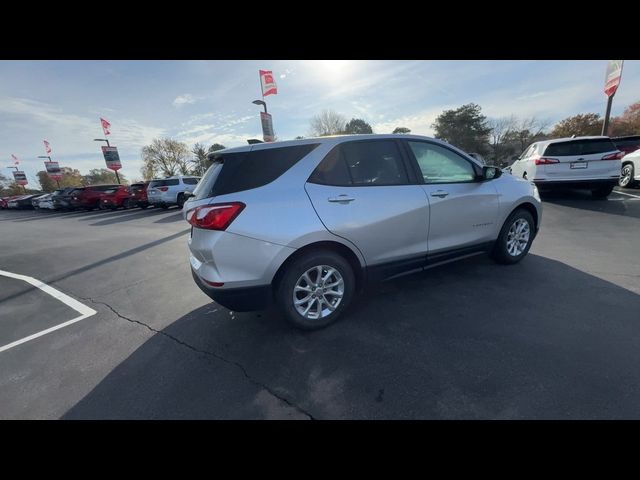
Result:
214,217
546,161
163,189
614,156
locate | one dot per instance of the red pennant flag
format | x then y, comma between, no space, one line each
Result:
47,147
105,126
15,159
268,83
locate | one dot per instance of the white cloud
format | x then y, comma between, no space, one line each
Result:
185,99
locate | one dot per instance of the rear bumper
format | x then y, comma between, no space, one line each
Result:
165,198
245,299
588,184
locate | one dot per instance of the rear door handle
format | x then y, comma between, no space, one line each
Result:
341,199
440,193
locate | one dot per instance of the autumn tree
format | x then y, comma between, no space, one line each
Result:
583,124
464,127
628,123
165,157
99,176
327,123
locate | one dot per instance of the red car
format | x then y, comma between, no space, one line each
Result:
3,202
115,198
88,198
627,144
138,196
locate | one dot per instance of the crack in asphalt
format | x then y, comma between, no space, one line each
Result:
206,352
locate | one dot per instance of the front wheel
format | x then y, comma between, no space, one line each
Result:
602,192
315,289
515,238
626,176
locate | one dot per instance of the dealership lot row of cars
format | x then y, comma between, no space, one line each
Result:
161,192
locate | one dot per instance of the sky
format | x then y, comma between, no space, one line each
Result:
210,101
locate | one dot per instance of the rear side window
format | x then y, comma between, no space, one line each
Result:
190,181
170,182
362,163
253,169
580,147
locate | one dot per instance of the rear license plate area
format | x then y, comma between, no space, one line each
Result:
579,165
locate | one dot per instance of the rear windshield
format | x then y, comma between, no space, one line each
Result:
164,183
135,188
111,190
191,181
580,147
236,172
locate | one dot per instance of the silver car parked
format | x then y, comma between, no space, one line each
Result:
307,223
164,192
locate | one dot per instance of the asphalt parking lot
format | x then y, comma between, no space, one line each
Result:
554,337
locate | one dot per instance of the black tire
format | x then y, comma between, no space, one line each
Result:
285,289
180,200
500,252
626,176
144,205
164,206
602,192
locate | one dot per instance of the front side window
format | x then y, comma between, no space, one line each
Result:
441,165
190,181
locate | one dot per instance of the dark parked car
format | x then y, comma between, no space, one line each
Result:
62,199
88,198
138,196
115,198
627,144
24,202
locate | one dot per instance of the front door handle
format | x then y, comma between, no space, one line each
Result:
440,193
341,199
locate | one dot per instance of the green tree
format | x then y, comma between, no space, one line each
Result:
401,130
165,157
357,126
46,183
327,123
215,147
98,176
464,127
583,124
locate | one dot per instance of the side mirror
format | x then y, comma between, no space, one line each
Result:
489,173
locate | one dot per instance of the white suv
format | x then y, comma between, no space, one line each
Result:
171,190
592,163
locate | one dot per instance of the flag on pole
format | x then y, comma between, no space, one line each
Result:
268,83
105,126
47,147
15,159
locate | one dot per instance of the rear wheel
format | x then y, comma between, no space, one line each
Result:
602,192
515,238
315,289
180,200
626,176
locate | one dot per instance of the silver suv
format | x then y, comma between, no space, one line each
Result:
168,191
307,223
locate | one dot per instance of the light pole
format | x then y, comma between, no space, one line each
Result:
261,102
106,140
46,156
24,189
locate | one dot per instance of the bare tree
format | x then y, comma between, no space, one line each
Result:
327,123
501,128
199,160
165,156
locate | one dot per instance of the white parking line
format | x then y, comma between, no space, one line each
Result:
625,193
82,309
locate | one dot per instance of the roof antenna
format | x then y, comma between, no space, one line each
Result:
573,136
